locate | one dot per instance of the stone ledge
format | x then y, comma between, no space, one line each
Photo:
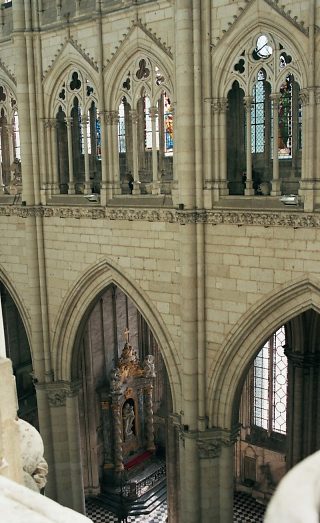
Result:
241,217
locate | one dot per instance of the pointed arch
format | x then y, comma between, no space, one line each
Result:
247,336
254,21
75,307
18,301
136,44
69,58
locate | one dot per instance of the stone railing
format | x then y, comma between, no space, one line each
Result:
133,490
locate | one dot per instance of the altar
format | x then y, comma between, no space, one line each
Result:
127,411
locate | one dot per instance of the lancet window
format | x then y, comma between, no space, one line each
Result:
264,121
270,378
77,141
10,168
145,130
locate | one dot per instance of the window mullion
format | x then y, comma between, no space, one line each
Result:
271,384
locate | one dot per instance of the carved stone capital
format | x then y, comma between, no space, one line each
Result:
219,105
211,442
247,100
69,121
275,97
317,95
57,398
153,112
110,117
134,116
59,391
300,360
304,97
209,449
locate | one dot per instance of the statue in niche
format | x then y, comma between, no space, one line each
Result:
16,181
148,366
128,419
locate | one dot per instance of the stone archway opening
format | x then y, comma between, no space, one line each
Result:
124,401
18,351
278,408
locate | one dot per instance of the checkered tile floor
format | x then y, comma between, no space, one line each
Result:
99,514
246,510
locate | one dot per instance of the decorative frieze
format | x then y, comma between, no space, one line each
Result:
297,219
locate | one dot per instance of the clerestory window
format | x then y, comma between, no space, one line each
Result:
264,121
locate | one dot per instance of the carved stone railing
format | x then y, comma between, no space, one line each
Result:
133,489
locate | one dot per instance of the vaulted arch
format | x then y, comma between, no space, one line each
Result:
77,306
18,301
247,336
67,60
136,44
256,21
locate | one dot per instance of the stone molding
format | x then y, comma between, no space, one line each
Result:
285,218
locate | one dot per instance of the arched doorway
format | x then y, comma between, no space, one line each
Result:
279,407
18,351
111,328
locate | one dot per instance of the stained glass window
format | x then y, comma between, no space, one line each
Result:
16,136
121,128
270,385
148,124
258,114
98,136
285,119
168,125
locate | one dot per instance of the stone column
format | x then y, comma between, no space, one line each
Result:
216,453
116,182
249,191
21,64
219,184
87,189
190,508
105,185
149,417
118,434
134,116
275,97
155,177
10,143
54,147
63,404
303,433
172,466
71,187
1,175
48,146
47,436
58,8
306,190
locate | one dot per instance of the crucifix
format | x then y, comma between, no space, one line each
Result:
126,335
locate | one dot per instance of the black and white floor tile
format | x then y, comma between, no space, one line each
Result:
98,514
246,510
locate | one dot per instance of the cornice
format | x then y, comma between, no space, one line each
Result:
285,218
